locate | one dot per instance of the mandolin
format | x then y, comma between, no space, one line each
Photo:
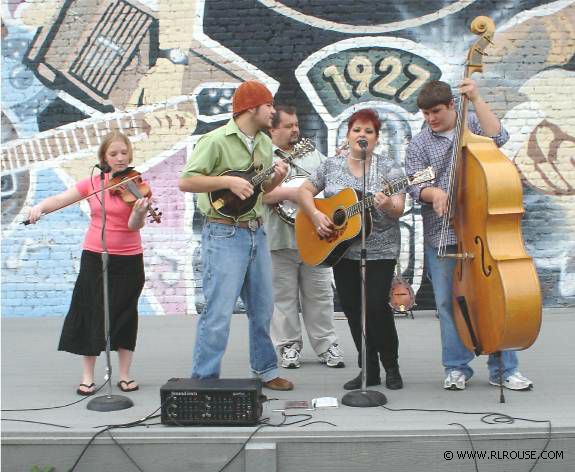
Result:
401,296
344,210
229,205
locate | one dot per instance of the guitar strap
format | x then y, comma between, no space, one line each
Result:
372,175
373,172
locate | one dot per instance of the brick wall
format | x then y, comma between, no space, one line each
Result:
164,72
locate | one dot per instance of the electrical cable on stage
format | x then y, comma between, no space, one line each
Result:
65,405
264,423
470,442
57,406
37,422
108,428
124,451
487,418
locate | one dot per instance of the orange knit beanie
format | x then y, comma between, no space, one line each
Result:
250,94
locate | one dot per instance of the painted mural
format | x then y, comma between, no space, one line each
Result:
164,73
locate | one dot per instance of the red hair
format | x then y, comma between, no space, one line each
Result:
367,114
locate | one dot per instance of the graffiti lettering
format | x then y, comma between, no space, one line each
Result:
390,68
340,86
419,76
371,74
360,79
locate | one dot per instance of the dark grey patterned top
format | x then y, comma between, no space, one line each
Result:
333,175
432,149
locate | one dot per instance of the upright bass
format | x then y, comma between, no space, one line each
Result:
496,292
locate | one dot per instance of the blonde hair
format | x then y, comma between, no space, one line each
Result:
108,140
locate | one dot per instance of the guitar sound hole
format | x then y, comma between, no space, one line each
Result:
339,217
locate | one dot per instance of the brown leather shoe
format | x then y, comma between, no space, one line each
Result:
279,384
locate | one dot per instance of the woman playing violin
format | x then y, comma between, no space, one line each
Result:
83,329
382,244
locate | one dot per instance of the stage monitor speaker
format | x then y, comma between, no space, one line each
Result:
222,402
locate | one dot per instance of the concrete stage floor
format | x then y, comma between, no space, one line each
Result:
35,375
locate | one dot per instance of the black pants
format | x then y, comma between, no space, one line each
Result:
381,336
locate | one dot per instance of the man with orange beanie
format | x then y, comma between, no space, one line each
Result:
235,252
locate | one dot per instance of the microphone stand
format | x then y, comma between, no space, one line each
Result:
363,398
107,402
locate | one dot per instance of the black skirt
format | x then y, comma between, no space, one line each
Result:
83,331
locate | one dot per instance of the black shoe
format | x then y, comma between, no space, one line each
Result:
355,384
393,379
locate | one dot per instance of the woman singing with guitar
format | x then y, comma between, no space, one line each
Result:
83,330
383,244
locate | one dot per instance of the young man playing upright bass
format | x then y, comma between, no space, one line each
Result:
432,146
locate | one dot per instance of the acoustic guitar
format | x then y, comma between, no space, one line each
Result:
229,205
344,210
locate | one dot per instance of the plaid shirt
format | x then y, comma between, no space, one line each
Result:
431,149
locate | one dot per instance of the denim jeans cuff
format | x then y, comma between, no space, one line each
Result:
269,375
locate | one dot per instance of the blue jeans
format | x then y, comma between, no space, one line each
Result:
237,262
455,356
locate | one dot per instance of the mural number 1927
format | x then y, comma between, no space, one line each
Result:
361,76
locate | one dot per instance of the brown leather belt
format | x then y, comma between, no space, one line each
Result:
250,224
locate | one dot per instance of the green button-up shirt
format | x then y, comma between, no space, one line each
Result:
223,149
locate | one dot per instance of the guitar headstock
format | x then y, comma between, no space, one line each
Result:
424,175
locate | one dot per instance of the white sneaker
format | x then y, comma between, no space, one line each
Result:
333,357
290,356
515,381
455,380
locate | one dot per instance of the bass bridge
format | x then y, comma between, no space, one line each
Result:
458,255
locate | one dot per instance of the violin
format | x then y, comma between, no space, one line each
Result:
131,192
128,185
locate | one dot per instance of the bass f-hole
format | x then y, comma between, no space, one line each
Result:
486,272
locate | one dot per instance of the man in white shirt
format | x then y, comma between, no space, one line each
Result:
295,283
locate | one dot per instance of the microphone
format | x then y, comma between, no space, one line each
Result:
105,167
362,142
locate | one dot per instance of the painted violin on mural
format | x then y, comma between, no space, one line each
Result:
229,205
496,292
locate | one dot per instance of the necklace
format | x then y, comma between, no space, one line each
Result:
359,159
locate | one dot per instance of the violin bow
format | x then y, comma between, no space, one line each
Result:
122,182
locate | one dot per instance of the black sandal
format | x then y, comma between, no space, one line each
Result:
124,386
85,393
